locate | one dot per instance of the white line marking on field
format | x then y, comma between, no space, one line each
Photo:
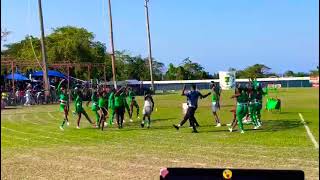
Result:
47,137
10,117
316,145
41,120
30,121
54,118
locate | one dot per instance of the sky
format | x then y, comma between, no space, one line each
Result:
218,34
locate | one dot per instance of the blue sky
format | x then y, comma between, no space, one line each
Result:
282,34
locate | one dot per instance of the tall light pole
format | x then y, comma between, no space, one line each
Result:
149,42
112,48
44,54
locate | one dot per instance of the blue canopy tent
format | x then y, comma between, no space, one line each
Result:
17,77
51,73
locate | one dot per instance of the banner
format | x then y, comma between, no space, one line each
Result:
227,79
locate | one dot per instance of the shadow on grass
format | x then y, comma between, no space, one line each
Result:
278,125
10,107
267,126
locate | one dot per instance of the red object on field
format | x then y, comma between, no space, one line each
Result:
314,81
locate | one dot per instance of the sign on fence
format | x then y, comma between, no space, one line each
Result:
227,79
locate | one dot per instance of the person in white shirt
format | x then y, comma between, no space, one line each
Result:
28,97
147,109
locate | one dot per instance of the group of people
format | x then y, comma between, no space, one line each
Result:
106,103
113,103
248,103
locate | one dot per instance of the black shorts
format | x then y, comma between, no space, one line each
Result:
104,111
120,110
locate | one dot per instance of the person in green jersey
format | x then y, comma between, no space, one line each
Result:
80,110
95,108
120,104
242,106
132,103
64,103
215,104
111,106
252,95
103,104
217,89
258,104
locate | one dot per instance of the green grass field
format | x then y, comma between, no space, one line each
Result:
33,146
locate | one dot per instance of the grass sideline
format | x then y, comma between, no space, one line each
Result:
33,146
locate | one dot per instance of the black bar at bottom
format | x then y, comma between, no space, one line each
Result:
234,174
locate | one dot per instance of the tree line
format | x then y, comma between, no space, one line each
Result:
77,45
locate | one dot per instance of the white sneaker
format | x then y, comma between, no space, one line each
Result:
78,127
259,124
68,123
242,132
131,120
218,125
256,127
61,128
229,124
230,129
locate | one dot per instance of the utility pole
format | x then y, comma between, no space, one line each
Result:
112,48
44,55
149,43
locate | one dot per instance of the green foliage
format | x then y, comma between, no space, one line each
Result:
315,72
77,45
290,73
255,71
188,70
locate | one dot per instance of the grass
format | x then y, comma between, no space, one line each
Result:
33,146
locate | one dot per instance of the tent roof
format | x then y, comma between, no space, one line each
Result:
17,77
50,73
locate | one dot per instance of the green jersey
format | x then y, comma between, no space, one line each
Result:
214,97
111,100
78,104
131,95
102,102
255,84
119,101
253,96
62,96
94,100
243,98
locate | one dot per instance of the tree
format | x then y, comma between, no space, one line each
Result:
64,44
4,34
171,72
315,72
186,71
289,73
255,71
